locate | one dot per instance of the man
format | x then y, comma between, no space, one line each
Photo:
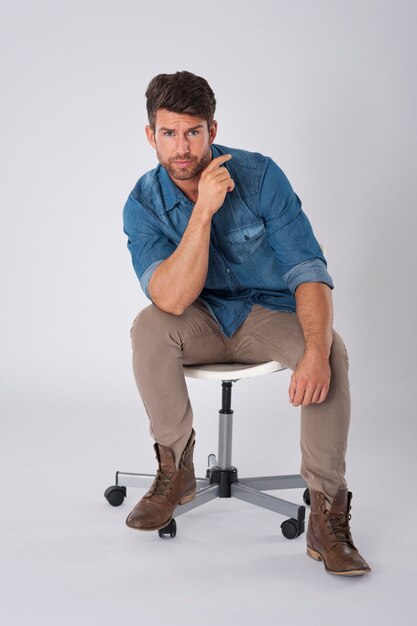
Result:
225,253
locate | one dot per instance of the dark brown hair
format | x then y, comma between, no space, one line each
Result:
182,92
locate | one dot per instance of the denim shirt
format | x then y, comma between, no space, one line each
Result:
262,245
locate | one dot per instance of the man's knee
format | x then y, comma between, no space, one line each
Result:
147,322
153,323
339,351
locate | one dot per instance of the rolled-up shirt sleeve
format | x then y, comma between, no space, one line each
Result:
146,242
289,231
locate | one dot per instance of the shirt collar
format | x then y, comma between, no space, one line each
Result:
168,191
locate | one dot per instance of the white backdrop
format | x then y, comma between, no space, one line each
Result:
328,90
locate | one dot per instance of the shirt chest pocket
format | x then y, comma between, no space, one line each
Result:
243,242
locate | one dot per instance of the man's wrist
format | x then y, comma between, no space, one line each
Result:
201,214
317,350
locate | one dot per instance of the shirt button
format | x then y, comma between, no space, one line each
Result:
228,271
246,237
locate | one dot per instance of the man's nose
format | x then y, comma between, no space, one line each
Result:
182,146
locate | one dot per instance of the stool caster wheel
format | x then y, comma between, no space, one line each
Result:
115,495
211,462
170,529
292,528
306,497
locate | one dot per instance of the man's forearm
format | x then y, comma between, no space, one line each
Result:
315,313
178,281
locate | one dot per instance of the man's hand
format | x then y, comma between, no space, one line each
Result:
310,380
214,183
179,279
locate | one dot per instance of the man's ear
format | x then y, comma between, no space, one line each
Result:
150,135
213,131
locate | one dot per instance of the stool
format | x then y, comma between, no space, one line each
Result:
221,480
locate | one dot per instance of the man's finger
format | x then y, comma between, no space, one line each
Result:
218,161
291,390
308,396
221,174
316,394
299,393
323,394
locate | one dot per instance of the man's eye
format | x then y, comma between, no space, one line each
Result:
169,132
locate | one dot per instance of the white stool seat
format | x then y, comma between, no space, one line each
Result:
231,371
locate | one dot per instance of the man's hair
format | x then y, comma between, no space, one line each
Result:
182,92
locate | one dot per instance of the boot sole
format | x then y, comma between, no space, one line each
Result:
188,498
317,557
183,500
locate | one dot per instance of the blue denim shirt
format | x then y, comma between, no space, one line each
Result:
262,245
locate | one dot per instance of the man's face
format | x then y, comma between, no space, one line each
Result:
181,137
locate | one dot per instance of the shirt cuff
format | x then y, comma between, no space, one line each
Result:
311,271
146,277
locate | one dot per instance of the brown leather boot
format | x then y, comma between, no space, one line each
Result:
329,538
171,487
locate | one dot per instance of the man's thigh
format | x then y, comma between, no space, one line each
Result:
268,335
195,336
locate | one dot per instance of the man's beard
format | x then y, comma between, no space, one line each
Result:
186,173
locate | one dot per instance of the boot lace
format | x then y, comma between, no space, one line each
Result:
162,484
338,524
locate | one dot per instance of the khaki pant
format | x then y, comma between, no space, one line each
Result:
163,342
